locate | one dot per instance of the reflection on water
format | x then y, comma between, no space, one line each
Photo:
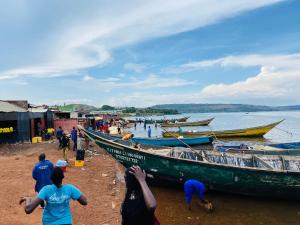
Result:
231,209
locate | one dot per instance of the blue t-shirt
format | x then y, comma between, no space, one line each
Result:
42,174
57,210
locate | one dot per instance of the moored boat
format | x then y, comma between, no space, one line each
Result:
267,176
174,142
188,124
288,145
257,149
247,132
166,120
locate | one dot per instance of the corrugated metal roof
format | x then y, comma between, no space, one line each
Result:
8,107
38,109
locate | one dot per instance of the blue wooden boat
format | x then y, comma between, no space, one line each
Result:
288,145
174,142
292,148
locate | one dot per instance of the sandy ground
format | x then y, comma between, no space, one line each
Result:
97,180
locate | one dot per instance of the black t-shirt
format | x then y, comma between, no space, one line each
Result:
135,212
65,141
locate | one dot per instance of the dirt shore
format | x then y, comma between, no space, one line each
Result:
97,180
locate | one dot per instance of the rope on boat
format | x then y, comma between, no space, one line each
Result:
290,133
193,150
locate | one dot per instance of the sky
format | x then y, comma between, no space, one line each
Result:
142,53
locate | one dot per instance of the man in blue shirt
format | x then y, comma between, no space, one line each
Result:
74,138
190,187
42,173
149,132
57,196
59,134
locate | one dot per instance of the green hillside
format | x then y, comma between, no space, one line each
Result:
203,108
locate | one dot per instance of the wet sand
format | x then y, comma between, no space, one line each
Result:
229,210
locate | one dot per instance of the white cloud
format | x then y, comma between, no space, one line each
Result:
84,35
151,81
138,68
276,62
277,83
269,86
87,78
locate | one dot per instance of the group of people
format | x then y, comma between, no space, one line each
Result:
137,208
51,190
63,138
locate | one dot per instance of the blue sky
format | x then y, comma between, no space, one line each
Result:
141,53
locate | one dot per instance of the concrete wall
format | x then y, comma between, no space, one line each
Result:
66,124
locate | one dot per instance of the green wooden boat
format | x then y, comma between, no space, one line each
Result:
254,175
188,124
238,133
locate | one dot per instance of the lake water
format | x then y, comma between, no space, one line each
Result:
231,209
287,131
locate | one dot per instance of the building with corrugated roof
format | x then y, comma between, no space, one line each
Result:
14,123
20,121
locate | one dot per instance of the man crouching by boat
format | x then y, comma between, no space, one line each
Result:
190,187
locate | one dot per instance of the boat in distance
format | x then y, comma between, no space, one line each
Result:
188,124
259,131
165,120
253,175
174,142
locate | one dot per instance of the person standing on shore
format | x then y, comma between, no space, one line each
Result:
74,138
59,134
65,143
149,132
57,197
179,130
190,187
139,204
41,173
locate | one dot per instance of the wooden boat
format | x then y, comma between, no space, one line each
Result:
174,142
289,145
183,119
247,132
174,120
258,149
171,142
266,176
188,124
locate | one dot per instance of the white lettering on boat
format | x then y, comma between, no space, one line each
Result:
125,156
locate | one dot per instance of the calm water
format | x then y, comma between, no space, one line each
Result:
287,131
232,209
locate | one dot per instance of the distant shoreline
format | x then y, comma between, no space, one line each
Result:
224,108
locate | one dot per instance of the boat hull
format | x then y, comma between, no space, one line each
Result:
238,133
188,124
233,179
174,142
